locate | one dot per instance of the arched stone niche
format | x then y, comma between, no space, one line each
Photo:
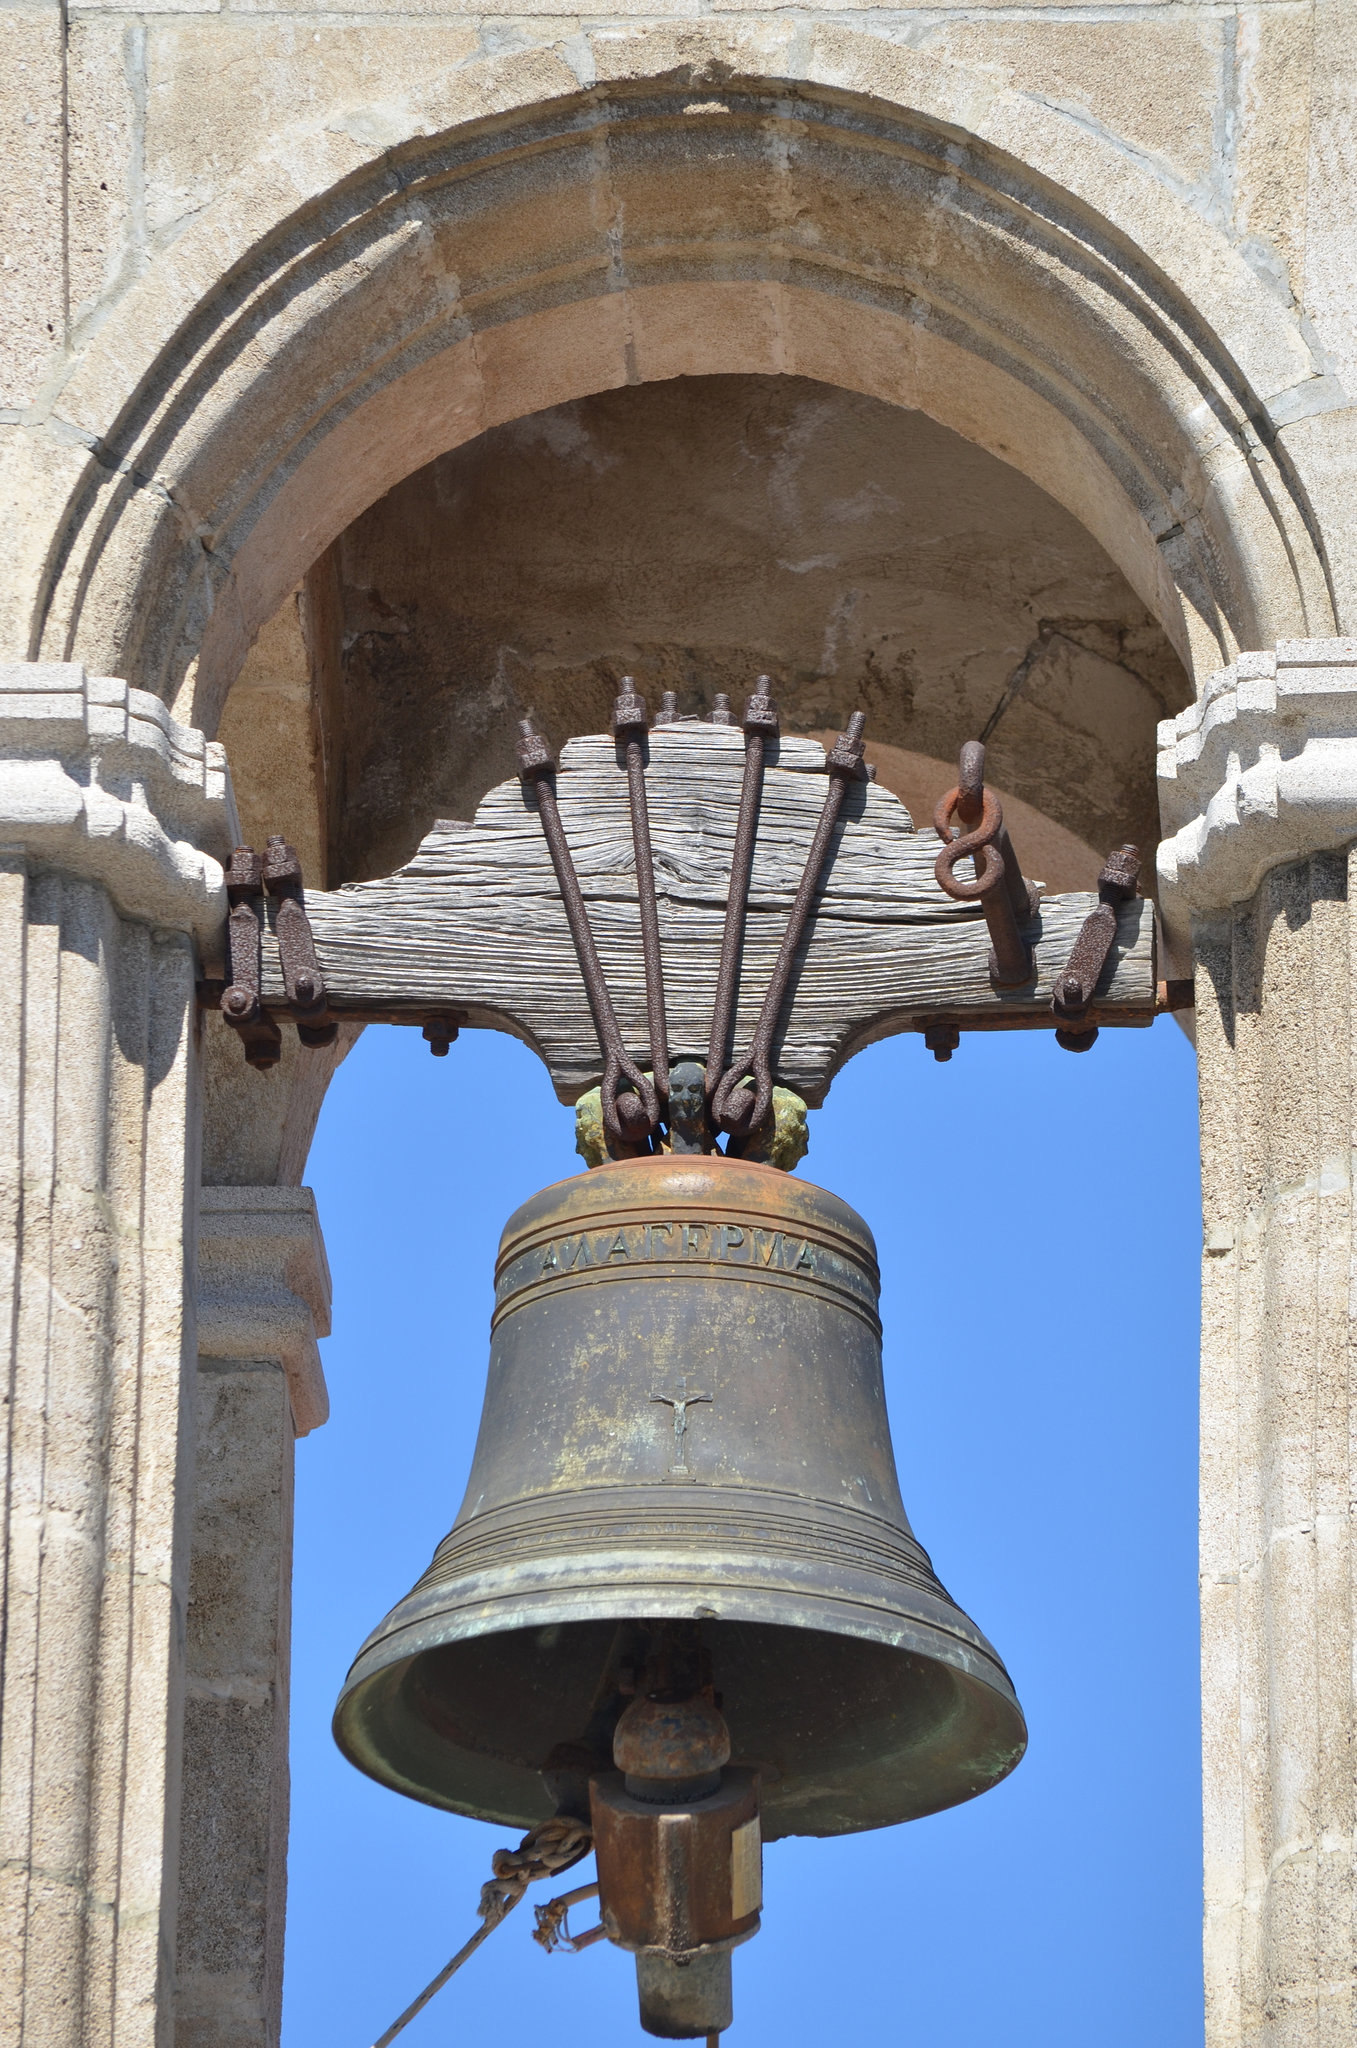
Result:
841,225
696,533
534,227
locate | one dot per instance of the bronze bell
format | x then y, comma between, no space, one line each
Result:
684,1455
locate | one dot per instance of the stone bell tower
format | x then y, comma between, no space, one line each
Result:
1088,285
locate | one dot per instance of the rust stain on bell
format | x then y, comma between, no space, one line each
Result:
684,1422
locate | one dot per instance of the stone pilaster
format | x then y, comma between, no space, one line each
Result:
1260,869
114,821
264,1299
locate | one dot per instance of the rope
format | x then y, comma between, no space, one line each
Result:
553,1923
546,1850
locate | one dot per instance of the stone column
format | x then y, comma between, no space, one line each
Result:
1259,865
113,821
264,1298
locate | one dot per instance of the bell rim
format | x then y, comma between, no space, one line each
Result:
918,1636
973,1670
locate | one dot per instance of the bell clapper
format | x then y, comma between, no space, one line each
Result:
676,1835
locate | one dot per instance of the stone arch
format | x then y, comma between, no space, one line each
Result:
875,219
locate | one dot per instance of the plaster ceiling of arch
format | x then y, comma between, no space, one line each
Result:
694,533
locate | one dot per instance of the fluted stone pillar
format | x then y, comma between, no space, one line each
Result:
1259,866
264,1299
113,825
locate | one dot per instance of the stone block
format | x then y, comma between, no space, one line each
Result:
284,74
1330,210
32,231
233,1827
106,93
1152,88
264,1287
1273,54
530,364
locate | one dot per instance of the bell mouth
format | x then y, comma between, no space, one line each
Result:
847,1732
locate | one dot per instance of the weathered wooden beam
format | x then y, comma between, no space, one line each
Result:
474,926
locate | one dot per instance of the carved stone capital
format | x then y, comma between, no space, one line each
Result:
1260,771
264,1287
98,780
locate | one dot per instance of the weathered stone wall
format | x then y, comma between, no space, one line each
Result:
98,1172
1275,1022
259,268
1135,290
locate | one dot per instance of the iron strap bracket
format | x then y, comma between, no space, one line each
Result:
252,877
716,839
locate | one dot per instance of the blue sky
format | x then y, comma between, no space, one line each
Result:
1038,1221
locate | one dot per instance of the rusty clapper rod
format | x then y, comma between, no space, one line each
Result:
629,730
760,723
999,887
734,1109
629,1118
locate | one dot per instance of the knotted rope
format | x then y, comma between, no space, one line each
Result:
552,1846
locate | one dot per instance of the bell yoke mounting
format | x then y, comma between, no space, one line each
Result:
681,1609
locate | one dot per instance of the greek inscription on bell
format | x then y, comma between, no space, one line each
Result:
738,1244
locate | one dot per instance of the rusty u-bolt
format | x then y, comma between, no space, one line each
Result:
734,1108
629,730
628,1119
998,887
760,723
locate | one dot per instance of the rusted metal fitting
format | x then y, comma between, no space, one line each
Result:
668,710
942,1040
441,1033
760,724
1078,980
629,713
720,710
302,978
240,1003
534,755
630,1100
662,1739
970,799
735,1108
629,727
845,756
760,712
676,1834
999,887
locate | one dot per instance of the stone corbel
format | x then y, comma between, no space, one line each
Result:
1260,771
98,780
264,1288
